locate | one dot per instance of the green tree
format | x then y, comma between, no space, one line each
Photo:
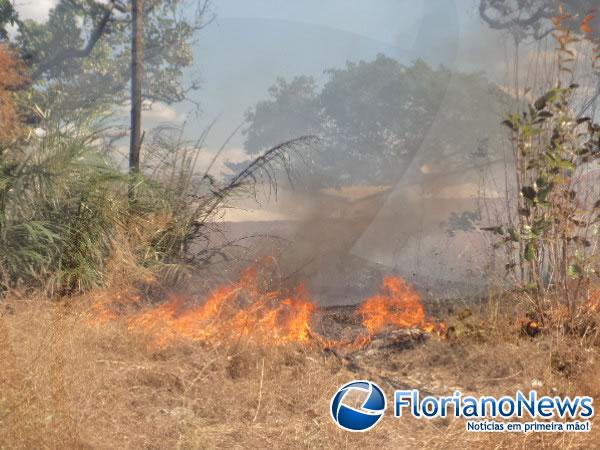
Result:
80,58
293,105
373,117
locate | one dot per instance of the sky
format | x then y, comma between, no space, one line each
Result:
251,43
379,20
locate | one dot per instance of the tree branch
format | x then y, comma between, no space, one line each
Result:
541,13
71,53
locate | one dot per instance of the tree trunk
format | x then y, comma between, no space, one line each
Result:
137,61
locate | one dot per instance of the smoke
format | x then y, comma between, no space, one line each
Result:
34,9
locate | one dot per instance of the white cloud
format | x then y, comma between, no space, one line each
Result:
218,169
34,9
160,112
234,155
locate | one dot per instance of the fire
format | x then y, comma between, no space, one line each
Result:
398,305
104,307
287,322
251,308
236,310
593,303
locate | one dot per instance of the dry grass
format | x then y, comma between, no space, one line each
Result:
12,77
69,384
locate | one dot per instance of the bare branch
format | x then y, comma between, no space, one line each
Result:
542,12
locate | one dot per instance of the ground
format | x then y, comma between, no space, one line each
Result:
71,382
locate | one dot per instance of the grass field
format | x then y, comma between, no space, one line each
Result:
69,382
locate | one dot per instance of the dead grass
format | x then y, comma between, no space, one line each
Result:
69,384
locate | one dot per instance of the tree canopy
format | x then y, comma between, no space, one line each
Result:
80,57
533,18
373,117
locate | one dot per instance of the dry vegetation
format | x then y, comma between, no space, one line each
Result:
73,378
68,382
11,78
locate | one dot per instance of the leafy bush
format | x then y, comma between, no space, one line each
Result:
60,202
551,241
64,209
557,219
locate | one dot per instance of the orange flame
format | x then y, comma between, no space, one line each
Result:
236,310
248,309
398,305
585,23
593,304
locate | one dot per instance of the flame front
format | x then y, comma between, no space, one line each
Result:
233,311
268,316
397,305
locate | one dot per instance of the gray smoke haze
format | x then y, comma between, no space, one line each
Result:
421,218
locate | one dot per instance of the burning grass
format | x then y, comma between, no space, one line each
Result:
69,384
253,307
254,366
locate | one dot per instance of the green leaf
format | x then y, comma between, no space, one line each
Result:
567,164
509,124
543,193
530,251
540,226
574,271
548,97
515,236
528,192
